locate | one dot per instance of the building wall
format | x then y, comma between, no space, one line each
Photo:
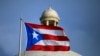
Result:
49,53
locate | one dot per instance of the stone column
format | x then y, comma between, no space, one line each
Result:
55,23
47,22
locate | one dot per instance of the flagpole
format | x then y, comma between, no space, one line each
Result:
20,37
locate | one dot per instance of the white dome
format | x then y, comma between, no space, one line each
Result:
50,13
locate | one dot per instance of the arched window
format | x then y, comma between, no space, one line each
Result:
43,22
51,22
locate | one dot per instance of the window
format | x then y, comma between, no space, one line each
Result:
43,22
51,22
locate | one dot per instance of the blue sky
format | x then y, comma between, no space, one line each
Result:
79,18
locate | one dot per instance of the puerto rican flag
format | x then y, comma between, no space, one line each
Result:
46,38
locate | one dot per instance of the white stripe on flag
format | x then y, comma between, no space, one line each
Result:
52,42
50,32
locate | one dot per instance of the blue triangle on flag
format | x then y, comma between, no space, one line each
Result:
33,37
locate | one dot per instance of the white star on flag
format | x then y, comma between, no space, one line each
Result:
35,35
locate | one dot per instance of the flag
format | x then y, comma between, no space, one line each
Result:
46,38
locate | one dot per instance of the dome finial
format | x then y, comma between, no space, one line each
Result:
50,5
49,8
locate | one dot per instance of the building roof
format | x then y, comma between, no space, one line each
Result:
50,13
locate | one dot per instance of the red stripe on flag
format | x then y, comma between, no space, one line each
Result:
48,48
52,37
43,26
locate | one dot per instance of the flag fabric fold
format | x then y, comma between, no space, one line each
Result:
46,38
